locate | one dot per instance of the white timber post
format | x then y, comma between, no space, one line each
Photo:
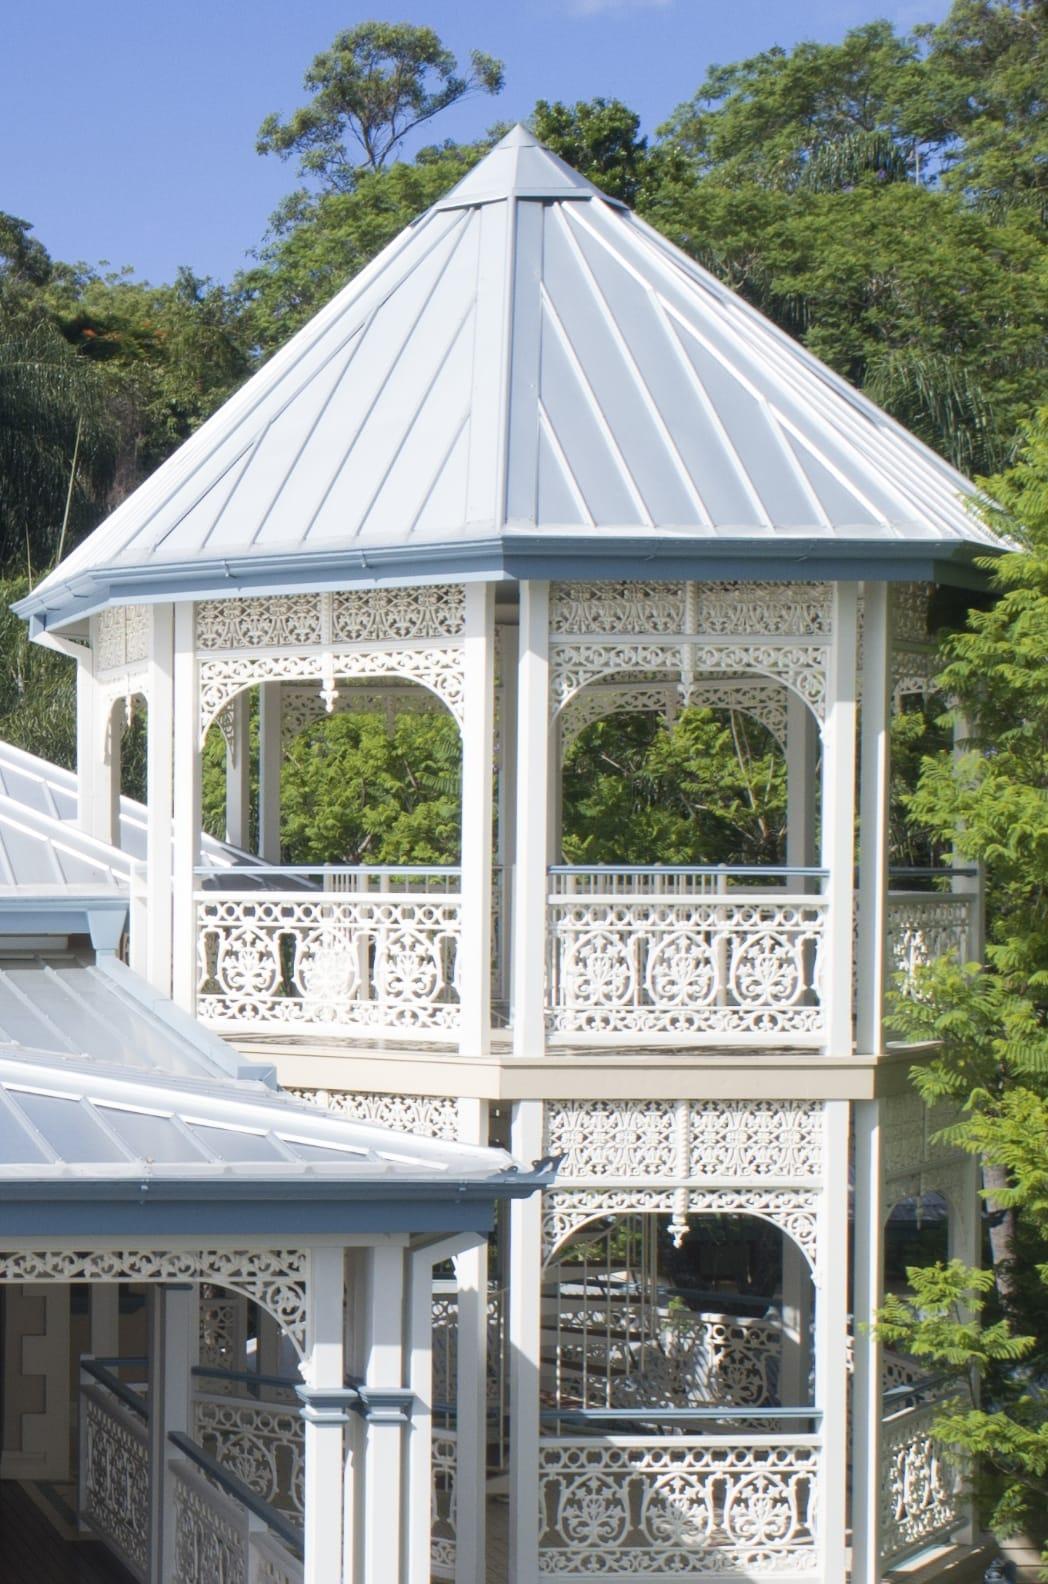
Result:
185,843
532,825
970,885
800,783
872,935
419,1507
831,1339
875,760
97,752
524,1340
238,775
507,802
175,1331
478,776
270,760
387,1406
471,1380
867,1382
838,823
104,1301
324,1412
160,778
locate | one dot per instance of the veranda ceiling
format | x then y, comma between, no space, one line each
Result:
529,380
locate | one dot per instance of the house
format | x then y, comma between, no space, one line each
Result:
532,467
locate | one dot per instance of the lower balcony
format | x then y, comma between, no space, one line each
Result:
635,955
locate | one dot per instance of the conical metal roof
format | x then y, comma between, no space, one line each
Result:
528,381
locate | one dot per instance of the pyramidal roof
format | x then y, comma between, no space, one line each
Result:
528,381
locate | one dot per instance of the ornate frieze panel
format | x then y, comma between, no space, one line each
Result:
436,667
676,1508
677,630
680,1140
423,1116
291,620
122,637
276,1278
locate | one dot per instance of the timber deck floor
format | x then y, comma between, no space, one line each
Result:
33,1552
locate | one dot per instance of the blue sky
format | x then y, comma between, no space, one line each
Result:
129,125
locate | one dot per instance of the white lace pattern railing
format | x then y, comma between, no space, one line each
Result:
216,1539
668,953
345,957
261,1443
445,1504
678,1508
921,1488
923,925
114,1476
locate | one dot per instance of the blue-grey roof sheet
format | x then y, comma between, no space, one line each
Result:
529,370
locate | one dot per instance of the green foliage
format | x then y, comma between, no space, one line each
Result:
353,792
37,687
376,83
712,789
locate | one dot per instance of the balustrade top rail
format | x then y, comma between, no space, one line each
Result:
247,1378
711,1415
414,879
236,1488
97,1370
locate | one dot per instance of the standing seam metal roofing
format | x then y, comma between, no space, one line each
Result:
528,371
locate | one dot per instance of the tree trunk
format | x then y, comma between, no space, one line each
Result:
1002,1229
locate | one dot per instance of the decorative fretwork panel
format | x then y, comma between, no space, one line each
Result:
301,706
211,1533
122,637
794,1210
438,667
791,662
358,615
276,1278
261,1443
765,702
444,1504
921,1489
336,961
114,1477
223,1328
728,967
677,1508
423,1116
583,608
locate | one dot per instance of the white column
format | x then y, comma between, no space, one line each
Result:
873,820
175,1332
867,1384
972,885
801,789
507,799
831,1330
478,776
524,1339
186,810
324,1416
471,1403
387,1404
533,770
97,755
419,1522
270,760
838,822
238,775
160,778
795,1369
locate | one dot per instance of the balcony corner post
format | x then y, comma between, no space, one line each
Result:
475,941
838,822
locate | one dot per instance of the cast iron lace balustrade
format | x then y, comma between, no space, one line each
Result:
114,1464
678,1507
671,952
369,948
924,925
922,1496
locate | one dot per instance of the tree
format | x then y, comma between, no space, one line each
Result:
376,83
991,1024
601,139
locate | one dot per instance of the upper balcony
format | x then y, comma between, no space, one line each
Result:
637,956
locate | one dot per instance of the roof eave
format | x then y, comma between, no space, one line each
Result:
517,556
